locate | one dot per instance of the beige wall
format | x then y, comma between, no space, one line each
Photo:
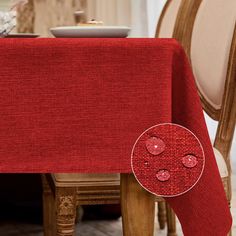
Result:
111,12
4,4
51,13
44,14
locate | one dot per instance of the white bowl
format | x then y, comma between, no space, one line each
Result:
90,31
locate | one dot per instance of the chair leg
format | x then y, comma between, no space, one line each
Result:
79,214
48,209
171,221
65,211
161,214
138,208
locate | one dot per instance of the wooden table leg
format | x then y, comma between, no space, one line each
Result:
49,212
65,211
138,208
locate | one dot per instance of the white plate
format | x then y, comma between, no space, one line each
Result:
90,31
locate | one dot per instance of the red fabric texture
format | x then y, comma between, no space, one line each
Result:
179,143
208,214
78,105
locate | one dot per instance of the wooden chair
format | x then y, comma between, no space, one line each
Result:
63,193
209,39
211,47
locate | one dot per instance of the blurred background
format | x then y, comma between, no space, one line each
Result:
20,194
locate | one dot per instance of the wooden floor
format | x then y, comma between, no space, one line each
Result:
89,228
93,228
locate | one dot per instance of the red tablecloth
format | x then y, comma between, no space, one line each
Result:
78,105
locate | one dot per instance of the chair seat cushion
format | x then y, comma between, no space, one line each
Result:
79,179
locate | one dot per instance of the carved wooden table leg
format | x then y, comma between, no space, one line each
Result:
49,212
171,221
65,211
162,214
138,208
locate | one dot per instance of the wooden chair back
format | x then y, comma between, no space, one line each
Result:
209,39
167,19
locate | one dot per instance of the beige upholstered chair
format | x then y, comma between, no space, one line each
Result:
212,51
206,29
